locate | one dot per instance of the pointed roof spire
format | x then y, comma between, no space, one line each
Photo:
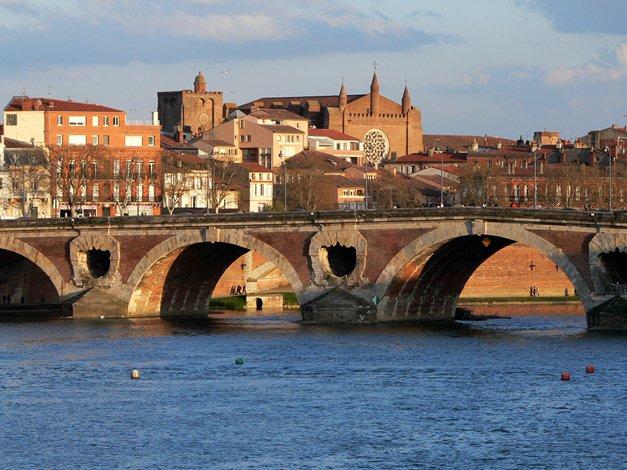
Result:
406,101
343,89
374,86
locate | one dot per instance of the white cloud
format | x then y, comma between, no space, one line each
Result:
225,28
621,53
591,72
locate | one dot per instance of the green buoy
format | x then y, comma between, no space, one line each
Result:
239,361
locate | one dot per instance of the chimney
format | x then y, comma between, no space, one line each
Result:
431,152
499,145
559,144
155,118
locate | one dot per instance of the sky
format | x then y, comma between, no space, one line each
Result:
495,67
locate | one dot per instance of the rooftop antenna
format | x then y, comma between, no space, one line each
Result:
375,64
50,90
23,91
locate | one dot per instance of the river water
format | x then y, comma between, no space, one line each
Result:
479,395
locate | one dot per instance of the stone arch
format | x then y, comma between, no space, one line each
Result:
37,258
604,242
174,246
419,252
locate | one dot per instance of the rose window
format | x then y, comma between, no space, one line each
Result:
376,146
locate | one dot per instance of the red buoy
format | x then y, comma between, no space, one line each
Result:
590,369
565,376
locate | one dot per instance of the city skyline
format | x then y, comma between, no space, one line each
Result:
541,64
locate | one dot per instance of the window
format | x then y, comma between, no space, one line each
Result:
11,120
151,169
140,192
95,192
94,121
77,120
77,140
128,168
151,192
116,120
139,169
132,140
59,139
96,168
59,120
116,167
94,140
105,140
151,140
0,183
105,120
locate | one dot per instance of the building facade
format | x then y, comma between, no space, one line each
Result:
51,122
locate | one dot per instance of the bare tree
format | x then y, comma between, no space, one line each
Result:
222,177
303,191
29,181
71,170
176,183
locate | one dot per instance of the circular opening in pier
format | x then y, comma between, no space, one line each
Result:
614,264
98,262
339,260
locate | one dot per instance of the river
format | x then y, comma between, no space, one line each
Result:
478,395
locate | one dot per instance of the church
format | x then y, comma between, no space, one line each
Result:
388,128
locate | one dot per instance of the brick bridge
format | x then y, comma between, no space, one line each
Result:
399,265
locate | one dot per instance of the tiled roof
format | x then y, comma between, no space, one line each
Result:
426,158
168,142
278,128
25,103
256,167
25,156
276,113
315,160
462,142
331,134
290,101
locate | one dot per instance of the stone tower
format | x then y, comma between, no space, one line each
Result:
187,113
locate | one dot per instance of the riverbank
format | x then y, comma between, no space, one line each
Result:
517,306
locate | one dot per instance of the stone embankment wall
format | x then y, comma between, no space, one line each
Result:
509,273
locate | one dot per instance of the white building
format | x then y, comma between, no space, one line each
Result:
260,189
338,144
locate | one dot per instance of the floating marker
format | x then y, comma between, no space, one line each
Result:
590,369
135,374
239,361
565,376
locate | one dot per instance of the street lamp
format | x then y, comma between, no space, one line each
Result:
535,177
367,152
284,180
607,151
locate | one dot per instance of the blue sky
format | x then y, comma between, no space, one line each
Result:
496,67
